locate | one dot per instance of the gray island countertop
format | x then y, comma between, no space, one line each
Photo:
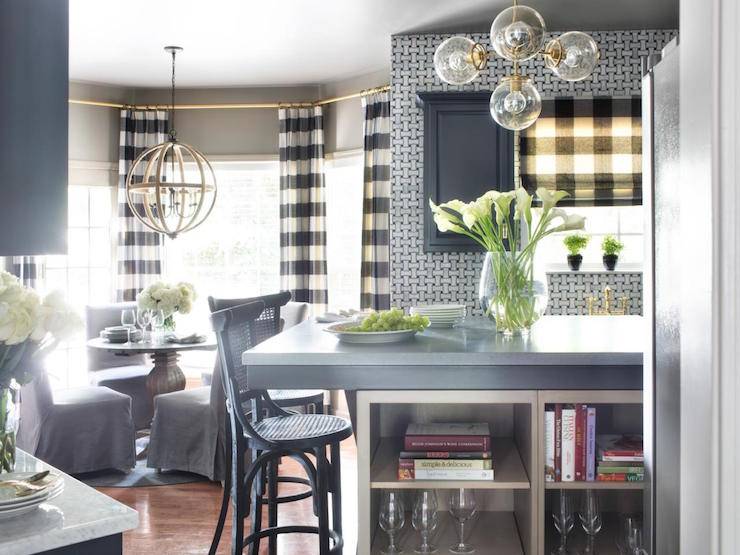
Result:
561,352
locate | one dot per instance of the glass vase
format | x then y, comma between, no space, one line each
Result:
9,413
510,293
169,323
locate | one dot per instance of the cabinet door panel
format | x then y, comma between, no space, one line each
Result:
465,154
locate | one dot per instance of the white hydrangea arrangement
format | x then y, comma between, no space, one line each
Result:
30,326
168,298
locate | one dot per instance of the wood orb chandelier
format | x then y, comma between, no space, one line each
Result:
171,187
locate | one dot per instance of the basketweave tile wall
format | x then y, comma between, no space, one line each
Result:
569,291
419,277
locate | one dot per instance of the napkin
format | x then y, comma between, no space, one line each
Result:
191,339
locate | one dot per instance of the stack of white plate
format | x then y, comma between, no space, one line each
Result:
120,334
441,315
12,505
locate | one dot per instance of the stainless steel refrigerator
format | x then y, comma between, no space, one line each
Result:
661,374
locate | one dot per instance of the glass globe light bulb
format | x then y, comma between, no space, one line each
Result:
515,103
572,56
518,33
453,61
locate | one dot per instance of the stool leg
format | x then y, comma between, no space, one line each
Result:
322,497
336,489
272,506
256,512
237,496
226,491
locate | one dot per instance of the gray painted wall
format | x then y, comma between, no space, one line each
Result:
419,277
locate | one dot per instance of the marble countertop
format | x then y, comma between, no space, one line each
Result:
78,514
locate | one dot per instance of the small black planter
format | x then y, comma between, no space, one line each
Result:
610,261
574,261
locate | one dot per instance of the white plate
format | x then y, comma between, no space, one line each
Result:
9,499
17,511
435,307
368,336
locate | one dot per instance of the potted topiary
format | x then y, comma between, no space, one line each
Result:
611,248
575,243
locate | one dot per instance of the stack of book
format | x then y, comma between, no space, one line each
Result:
621,458
570,443
446,452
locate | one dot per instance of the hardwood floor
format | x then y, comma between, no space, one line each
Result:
179,519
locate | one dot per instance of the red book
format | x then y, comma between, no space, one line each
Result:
619,445
580,458
558,441
447,443
620,477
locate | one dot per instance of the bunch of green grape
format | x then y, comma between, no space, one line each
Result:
391,320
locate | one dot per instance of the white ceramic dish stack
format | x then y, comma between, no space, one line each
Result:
441,315
11,505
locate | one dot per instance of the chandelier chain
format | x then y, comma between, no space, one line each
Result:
173,132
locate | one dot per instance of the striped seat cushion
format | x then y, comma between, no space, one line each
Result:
300,426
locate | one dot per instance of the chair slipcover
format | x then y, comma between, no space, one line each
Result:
77,430
125,374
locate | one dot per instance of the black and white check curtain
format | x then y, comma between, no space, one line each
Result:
376,290
139,250
302,206
591,148
29,269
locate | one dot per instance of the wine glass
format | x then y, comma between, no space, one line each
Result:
590,516
425,519
143,318
635,539
128,320
392,518
463,507
627,523
563,516
158,319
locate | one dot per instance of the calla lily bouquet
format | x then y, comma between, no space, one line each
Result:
497,221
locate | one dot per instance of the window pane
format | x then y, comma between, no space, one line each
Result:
100,206
79,247
78,206
100,248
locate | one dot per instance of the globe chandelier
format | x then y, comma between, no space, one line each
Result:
160,192
517,35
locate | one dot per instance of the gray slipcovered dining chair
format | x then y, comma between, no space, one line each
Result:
122,373
77,430
187,431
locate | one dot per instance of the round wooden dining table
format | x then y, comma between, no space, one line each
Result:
165,376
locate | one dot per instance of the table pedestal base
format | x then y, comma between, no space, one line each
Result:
166,376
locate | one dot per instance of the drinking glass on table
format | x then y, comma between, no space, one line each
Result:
158,318
590,516
128,320
143,318
391,520
463,508
628,538
425,519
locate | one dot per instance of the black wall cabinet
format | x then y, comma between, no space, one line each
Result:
34,85
466,153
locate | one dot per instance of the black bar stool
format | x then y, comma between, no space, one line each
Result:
280,434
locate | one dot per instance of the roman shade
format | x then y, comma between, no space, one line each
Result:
591,148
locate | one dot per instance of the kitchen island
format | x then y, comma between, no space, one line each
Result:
471,374
79,521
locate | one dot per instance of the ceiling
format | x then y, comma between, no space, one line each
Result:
295,42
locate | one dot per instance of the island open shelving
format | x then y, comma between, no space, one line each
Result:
472,374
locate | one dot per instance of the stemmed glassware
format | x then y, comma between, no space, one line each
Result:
143,318
425,519
629,539
463,508
128,320
590,516
158,318
391,520
564,521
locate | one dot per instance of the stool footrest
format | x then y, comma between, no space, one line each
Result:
276,530
295,496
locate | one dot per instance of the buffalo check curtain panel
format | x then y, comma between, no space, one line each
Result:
591,148
303,206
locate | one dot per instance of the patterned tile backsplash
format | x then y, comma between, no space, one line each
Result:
568,291
419,277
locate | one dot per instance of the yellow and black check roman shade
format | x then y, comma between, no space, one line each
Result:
591,148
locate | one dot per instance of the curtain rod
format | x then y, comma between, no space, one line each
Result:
232,106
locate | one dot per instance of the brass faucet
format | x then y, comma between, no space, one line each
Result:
609,309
